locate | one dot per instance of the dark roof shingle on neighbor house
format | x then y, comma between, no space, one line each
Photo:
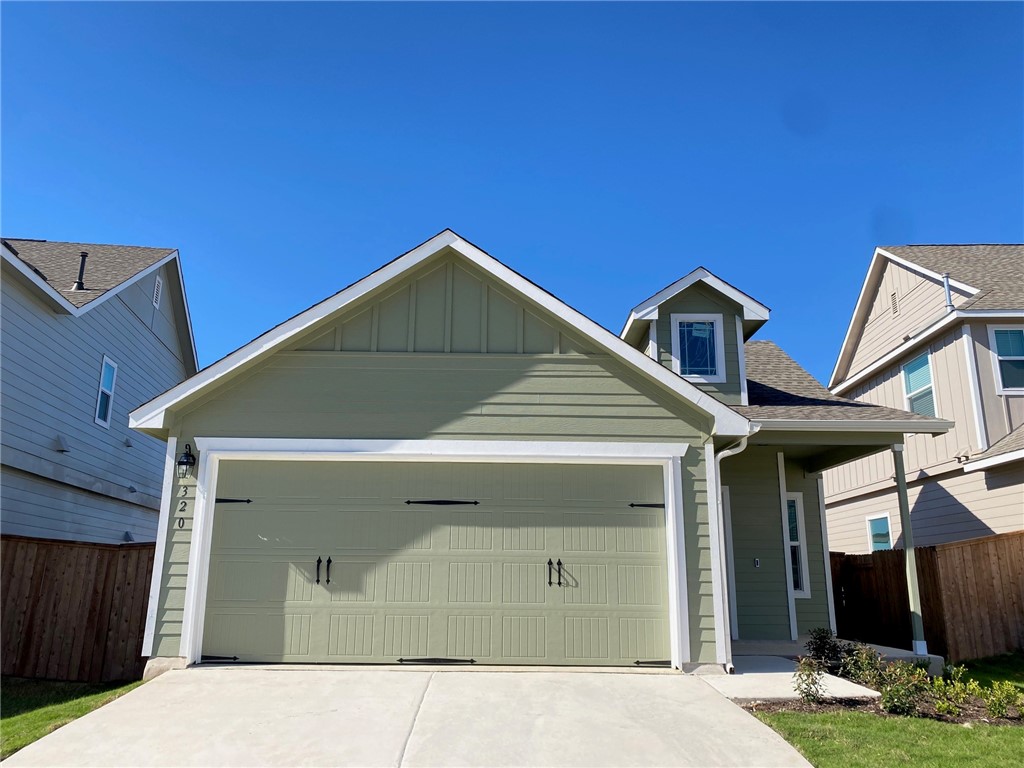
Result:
106,267
778,388
997,271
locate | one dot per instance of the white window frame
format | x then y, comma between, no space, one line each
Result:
100,391
158,292
871,539
997,374
805,591
931,383
719,322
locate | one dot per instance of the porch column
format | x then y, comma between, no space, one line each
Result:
916,622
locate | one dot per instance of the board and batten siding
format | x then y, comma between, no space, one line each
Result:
953,401
445,354
51,366
952,507
920,300
700,299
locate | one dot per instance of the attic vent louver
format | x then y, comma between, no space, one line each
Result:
158,290
894,301
79,285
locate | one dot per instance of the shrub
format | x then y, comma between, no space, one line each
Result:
862,664
809,679
901,686
1001,697
823,646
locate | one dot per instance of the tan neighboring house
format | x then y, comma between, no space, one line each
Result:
939,330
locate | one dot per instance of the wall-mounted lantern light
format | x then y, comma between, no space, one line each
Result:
186,463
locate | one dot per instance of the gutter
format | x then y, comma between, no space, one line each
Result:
732,450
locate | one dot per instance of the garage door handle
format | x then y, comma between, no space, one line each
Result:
550,566
328,570
559,564
318,561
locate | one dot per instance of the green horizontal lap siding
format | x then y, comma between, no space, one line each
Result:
700,598
811,612
762,602
698,299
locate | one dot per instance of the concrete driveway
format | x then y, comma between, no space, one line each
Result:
246,716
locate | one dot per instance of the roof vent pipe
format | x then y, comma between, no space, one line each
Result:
949,294
79,286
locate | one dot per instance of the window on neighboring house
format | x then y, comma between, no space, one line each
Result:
797,541
917,384
105,397
698,347
1008,346
878,533
158,290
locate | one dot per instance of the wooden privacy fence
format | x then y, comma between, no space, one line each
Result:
972,596
73,611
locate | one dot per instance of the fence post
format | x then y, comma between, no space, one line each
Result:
913,591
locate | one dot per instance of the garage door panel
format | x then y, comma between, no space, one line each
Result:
524,583
353,581
406,635
273,581
524,531
470,583
351,635
470,636
524,638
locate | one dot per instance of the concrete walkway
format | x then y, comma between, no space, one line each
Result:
771,677
240,716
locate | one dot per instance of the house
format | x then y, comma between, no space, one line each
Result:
89,332
445,462
938,330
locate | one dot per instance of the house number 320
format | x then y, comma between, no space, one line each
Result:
182,506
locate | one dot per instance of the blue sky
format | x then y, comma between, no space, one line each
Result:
603,150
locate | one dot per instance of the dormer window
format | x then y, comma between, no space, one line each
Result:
698,347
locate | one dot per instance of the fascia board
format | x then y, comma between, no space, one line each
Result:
994,461
48,290
932,427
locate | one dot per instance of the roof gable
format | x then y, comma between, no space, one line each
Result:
308,327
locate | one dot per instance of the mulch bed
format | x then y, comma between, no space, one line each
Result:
973,712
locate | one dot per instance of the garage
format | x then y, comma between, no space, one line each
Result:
429,562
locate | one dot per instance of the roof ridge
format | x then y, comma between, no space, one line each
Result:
103,245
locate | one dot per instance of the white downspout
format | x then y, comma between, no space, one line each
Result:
732,450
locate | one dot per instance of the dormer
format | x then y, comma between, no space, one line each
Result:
696,327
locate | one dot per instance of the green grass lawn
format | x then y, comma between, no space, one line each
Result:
30,709
1009,666
864,740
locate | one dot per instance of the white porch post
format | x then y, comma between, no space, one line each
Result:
913,591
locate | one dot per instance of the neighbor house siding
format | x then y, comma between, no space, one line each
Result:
954,506
699,299
1003,413
921,301
50,374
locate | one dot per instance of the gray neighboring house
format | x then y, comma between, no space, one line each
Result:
939,330
83,346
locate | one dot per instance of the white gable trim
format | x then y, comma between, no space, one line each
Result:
648,309
860,311
727,421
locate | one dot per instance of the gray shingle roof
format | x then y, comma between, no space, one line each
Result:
778,388
1011,442
997,271
107,266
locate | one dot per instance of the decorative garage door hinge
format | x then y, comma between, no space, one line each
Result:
440,502
437,661
234,501
651,506
219,659
660,663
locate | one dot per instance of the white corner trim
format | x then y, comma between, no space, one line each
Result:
730,560
720,363
791,603
742,352
826,553
163,524
727,421
214,450
971,363
994,461
715,525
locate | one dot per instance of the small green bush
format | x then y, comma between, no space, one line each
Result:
902,685
824,647
809,679
1001,697
862,664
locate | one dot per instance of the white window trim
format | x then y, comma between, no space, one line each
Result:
719,323
997,375
99,393
867,525
931,383
214,450
158,292
802,543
